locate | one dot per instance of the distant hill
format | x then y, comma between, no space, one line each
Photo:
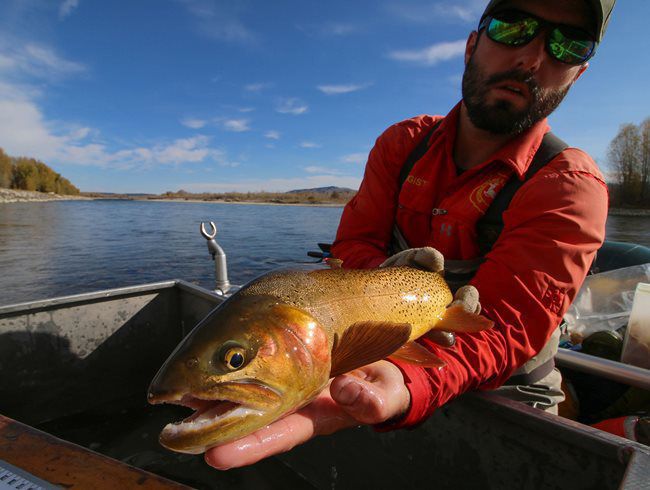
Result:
322,190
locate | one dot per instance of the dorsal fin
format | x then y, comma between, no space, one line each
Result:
366,342
457,319
417,354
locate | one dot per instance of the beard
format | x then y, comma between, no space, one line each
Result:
502,117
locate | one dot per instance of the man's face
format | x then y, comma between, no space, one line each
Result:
508,89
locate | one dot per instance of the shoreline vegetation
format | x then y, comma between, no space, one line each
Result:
336,197
329,196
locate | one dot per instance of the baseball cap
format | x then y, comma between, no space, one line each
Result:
601,8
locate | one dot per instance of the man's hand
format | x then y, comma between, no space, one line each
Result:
467,297
369,395
425,258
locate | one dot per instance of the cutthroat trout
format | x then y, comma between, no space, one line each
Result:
272,347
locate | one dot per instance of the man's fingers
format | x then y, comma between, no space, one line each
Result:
279,437
468,298
372,394
425,258
321,416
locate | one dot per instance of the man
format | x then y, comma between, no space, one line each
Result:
520,64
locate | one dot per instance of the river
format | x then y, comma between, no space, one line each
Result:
50,249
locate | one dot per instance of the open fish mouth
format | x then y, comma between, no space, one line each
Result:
215,420
209,415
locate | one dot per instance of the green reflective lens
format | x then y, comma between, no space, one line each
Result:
564,43
569,50
513,33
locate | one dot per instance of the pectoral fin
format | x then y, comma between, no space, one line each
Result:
457,319
366,342
414,353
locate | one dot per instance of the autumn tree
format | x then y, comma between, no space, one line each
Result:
25,174
30,174
6,169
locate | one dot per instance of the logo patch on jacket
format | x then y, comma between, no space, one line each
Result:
483,195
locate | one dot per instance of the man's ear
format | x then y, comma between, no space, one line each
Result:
470,46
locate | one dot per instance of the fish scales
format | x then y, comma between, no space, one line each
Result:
340,298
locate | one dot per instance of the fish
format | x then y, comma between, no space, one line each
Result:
272,346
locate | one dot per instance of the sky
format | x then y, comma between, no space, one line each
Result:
151,96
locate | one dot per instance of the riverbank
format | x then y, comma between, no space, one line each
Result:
259,203
13,195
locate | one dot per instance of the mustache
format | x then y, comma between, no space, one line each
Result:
517,76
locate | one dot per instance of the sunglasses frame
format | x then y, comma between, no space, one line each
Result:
542,23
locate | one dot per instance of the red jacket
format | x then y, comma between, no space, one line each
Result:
552,229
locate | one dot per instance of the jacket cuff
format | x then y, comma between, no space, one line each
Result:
418,382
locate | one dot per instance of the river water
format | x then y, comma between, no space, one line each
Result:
50,249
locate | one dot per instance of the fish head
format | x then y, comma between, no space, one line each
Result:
248,363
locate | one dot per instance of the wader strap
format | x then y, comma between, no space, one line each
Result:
398,242
540,372
417,153
489,227
460,272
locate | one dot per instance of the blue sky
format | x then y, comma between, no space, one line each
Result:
251,95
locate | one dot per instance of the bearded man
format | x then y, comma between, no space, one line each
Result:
434,182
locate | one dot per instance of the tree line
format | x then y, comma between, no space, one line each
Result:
29,174
629,159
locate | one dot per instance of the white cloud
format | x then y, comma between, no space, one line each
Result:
321,170
193,123
291,106
67,7
220,20
256,87
275,184
272,135
24,130
246,110
465,11
309,144
341,89
456,79
35,60
330,29
25,71
431,55
236,125
354,158
79,134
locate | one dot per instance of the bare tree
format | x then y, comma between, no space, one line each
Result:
644,157
625,157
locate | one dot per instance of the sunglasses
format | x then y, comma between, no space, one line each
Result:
564,43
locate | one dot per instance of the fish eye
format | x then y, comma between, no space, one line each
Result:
234,358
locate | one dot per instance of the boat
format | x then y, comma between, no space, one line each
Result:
74,372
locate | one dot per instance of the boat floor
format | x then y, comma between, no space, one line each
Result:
129,432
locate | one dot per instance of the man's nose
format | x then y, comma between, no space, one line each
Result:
531,56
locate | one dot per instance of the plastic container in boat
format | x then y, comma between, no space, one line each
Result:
636,347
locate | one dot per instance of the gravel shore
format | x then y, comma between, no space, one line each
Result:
12,195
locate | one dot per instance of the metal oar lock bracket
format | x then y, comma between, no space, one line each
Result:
222,285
